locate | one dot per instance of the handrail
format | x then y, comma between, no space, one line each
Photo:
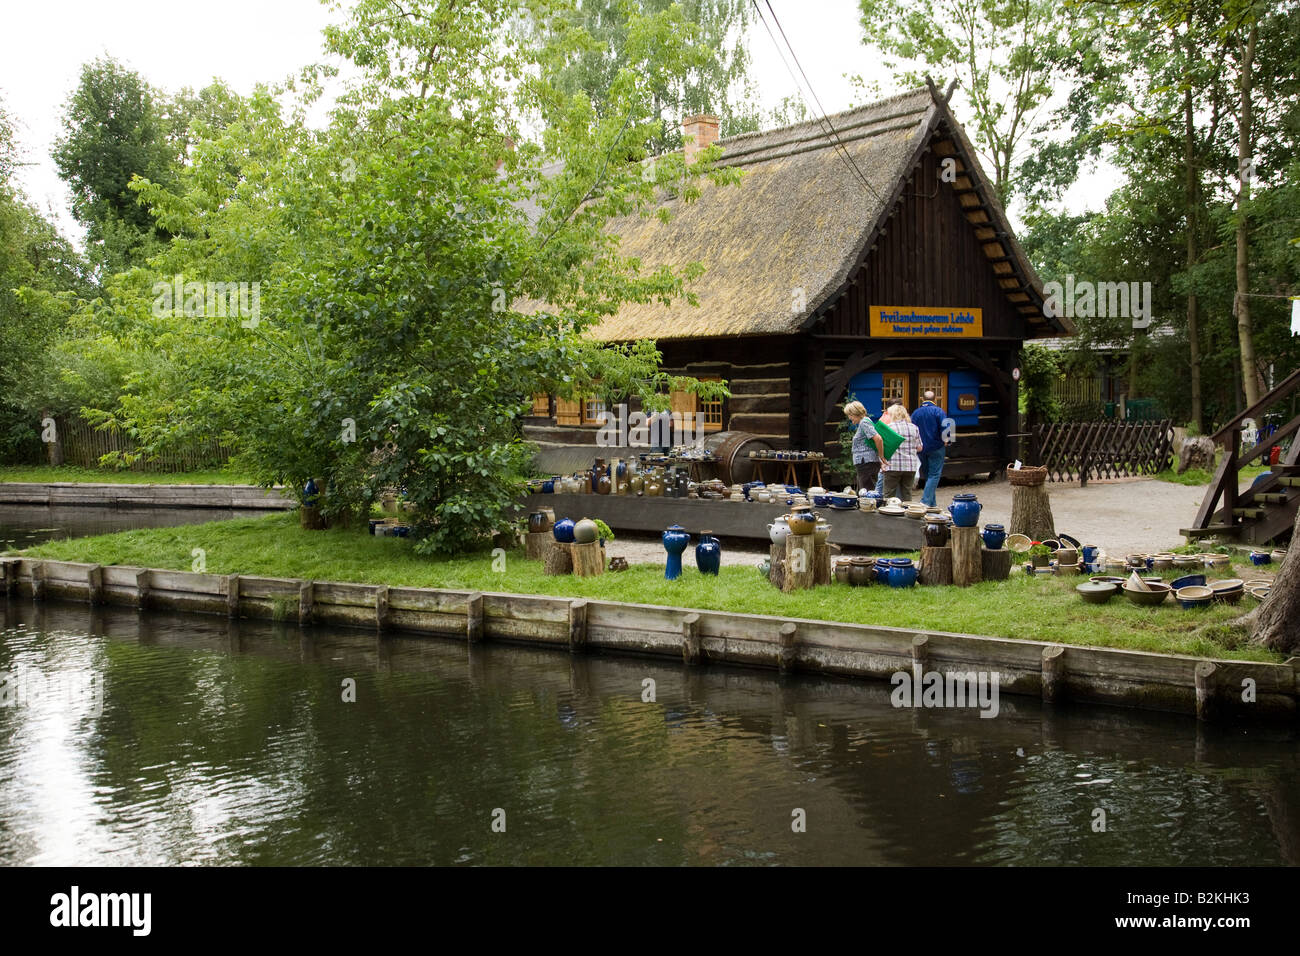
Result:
1283,388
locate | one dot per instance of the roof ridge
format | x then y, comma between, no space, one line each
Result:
819,121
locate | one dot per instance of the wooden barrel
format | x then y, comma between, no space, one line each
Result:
732,451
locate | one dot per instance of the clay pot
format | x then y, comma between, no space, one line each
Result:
675,540
822,530
708,553
842,571
995,536
965,510
563,531
538,522
936,532
802,521
779,529
859,571
585,531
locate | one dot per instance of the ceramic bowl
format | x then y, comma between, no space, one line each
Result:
1156,595
1107,579
1260,557
1278,555
1162,562
1193,596
891,510
1229,590
1217,561
1018,542
1186,561
1188,580
1070,541
1095,593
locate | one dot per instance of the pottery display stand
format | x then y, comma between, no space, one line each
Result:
559,558
309,517
776,566
588,559
995,565
536,544
967,567
936,565
800,563
822,563
1031,513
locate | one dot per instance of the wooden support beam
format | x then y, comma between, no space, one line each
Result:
232,595
1053,674
38,581
95,581
10,568
920,657
306,594
788,650
142,588
1206,690
381,607
474,617
692,646
578,626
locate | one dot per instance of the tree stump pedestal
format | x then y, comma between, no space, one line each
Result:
936,565
967,568
995,565
536,544
800,563
588,559
559,559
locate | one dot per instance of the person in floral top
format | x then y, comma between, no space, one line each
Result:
900,470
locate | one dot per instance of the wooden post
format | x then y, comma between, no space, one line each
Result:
691,644
995,565
232,595
1206,690
10,567
381,607
936,565
776,566
966,567
142,588
38,580
920,657
474,617
559,559
1053,674
786,637
95,581
588,559
799,562
577,626
536,543
822,563
306,595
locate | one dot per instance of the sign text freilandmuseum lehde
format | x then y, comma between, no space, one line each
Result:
928,323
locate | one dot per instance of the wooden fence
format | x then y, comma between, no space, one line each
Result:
83,445
1078,451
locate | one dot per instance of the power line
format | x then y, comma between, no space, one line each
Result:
820,114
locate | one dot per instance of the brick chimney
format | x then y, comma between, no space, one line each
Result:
698,133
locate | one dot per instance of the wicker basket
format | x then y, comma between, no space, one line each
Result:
1026,475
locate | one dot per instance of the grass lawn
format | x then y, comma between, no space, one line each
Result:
1044,608
51,473
1199,476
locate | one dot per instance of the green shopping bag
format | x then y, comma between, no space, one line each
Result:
889,438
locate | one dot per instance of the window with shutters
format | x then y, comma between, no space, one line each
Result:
705,415
541,405
593,411
568,411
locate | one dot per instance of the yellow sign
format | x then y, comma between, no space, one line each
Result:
926,323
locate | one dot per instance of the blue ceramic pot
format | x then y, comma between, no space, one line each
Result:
708,553
675,541
995,536
965,511
902,573
1261,557
1089,552
310,493
882,568
563,531
548,487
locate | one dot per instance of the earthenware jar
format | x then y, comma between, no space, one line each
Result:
995,536
1090,553
842,571
936,532
585,531
311,494
599,471
636,485
965,510
1260,557
822,530
683,483
802,520
1067,555
548,486
859,571
708,553
880,570
675,540
618,564
603,484
902,573
1278,555
538,523
653,487
563,531
779,529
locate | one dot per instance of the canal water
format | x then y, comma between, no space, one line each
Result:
163,738
185,739
22,526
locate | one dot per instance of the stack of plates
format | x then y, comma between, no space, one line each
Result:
893,510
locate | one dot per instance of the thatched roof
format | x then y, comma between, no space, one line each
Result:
800,219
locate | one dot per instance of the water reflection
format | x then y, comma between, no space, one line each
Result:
231,742
22,526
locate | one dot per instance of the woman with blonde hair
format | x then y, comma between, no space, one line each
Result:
900,470
868,450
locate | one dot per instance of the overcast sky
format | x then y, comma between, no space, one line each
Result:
175,43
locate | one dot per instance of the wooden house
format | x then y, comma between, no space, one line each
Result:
862,255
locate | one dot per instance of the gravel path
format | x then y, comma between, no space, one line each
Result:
1124,516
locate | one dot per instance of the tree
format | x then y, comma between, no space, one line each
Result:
1004,54
418,279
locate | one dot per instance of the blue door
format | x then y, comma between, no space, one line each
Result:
869,389
964,397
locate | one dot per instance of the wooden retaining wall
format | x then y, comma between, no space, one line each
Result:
104,495
1208,689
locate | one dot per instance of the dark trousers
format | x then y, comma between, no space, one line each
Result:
868,472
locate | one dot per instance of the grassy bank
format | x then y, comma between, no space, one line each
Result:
1031,608
1201,477
50,473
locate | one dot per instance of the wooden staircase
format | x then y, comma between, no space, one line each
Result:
1267,511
